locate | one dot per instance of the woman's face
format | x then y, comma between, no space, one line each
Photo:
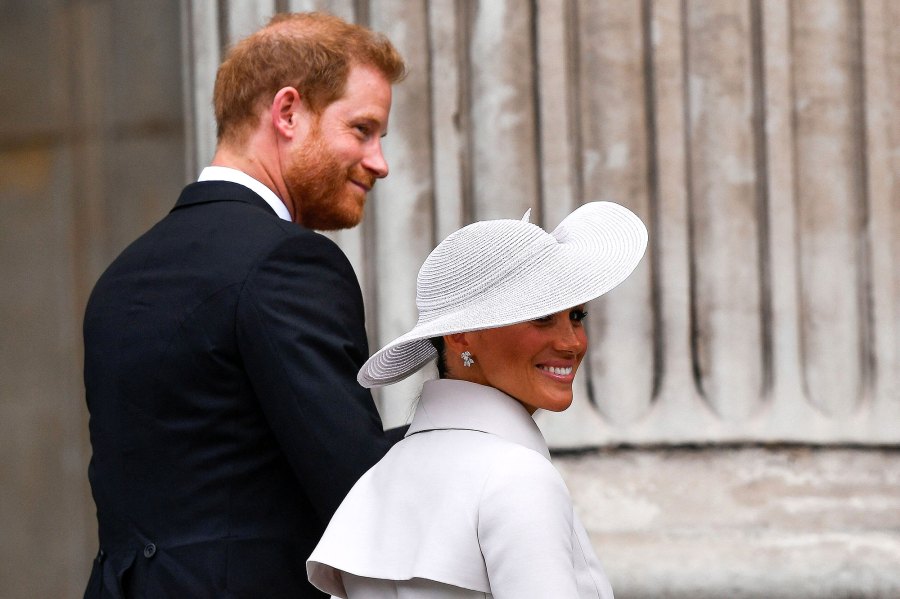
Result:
534,362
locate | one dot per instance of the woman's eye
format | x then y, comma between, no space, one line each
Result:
544,319
577,315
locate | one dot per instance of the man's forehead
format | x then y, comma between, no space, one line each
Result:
367,94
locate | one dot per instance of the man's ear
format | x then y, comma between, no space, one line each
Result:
285,112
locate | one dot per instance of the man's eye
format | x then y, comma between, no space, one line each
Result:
363,129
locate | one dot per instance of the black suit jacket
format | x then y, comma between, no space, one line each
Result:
221,352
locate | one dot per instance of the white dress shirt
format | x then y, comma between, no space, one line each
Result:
467,505
224,173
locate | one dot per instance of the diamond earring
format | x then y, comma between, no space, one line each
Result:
467,359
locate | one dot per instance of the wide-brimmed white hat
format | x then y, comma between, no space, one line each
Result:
501,272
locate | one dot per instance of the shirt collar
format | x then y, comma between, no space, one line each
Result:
224,173
453,404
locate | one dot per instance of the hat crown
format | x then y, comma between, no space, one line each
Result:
473,260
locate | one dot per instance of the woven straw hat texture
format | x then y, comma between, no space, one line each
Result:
501,272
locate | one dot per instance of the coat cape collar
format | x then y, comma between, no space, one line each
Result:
461,405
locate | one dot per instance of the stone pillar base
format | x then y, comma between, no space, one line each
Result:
742,522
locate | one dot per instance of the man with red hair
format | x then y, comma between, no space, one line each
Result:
221,347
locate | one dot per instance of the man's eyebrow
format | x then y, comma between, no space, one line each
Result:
369,116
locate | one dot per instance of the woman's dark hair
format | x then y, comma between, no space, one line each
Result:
438,343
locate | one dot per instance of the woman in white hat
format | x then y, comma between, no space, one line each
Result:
468,504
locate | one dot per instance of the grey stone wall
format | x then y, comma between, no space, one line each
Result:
759,139
92,151
742,522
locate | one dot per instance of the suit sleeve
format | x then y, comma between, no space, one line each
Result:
301,333
525,530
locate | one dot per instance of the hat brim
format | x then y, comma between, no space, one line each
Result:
597,247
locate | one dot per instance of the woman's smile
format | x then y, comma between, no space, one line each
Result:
535,362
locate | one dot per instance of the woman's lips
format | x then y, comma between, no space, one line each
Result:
560,373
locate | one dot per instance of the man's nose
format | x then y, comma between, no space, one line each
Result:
375,162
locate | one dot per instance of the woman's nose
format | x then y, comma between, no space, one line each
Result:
571,337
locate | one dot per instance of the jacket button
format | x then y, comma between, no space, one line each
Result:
149,550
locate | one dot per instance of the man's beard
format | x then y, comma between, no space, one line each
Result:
318,184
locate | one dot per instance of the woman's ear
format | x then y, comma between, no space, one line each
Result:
458,361
456,343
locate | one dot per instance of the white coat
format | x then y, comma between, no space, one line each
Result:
467,505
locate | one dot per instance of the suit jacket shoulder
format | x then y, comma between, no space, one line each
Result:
221,350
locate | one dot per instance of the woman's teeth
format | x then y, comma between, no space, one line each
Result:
557,370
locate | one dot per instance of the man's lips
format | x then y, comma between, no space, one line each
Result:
362,180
